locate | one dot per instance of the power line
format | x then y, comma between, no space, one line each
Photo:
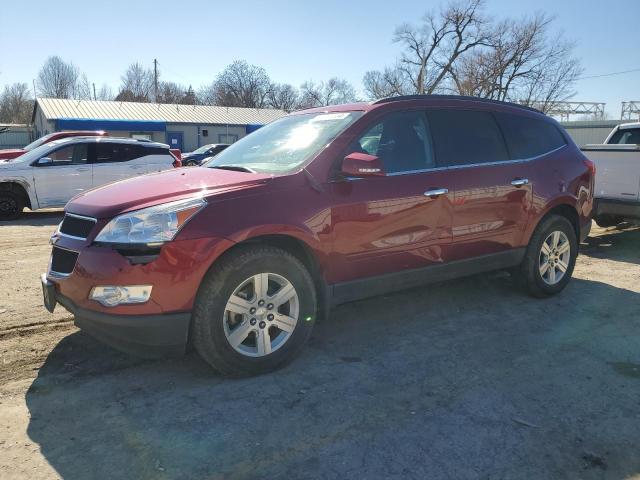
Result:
610,74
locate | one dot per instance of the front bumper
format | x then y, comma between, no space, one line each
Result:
629,209
146,336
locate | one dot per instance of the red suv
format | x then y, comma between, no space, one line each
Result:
324,206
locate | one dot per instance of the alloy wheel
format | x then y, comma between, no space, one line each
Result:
554,258
261,314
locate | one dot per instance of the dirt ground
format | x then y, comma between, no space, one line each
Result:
467,379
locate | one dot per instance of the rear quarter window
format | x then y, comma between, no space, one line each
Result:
529,137
466,137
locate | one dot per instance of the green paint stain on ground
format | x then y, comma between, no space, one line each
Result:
627,369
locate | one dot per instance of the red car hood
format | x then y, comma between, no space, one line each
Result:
11,153
148,190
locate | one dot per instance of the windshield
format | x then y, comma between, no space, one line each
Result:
285,144
37,142
203,149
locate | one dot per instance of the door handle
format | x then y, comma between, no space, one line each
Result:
436,192
518,182
83,169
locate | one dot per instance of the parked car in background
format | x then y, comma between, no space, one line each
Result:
321,207
9,154
198,156
51,174
617,191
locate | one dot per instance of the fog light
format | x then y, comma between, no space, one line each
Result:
113,295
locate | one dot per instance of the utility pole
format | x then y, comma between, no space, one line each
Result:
155,80
94,91
35,95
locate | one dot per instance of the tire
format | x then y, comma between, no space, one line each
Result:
191,164
605,221
530,272
11,205
214,326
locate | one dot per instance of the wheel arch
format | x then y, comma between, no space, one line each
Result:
564,209
303,250
19,188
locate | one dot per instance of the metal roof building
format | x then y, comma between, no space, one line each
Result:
186,127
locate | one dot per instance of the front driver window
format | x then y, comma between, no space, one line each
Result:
401,140
71,155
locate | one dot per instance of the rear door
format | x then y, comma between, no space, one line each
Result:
492,194
67,175
156,159
114,161
386,224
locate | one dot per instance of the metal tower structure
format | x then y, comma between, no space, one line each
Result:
565,109
630,109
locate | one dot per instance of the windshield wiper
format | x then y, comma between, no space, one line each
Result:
236,168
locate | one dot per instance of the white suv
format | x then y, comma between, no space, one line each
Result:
50,175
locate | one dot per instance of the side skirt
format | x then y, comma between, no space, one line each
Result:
392,282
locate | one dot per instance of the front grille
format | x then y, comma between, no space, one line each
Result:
76,226
63,261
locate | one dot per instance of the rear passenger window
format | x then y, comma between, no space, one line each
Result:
107,152
464,137
529,137
401,140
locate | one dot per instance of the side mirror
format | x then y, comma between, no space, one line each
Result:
45,161
362,165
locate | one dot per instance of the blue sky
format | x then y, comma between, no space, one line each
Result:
294,40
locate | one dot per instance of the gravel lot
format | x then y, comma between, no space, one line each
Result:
468,379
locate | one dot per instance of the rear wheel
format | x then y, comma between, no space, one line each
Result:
11,205
191,164
254,311
550,257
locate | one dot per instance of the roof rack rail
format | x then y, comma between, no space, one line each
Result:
451,97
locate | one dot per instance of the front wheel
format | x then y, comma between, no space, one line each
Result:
550,258
11,205
254,311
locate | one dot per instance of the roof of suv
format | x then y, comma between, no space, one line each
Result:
121,140
366,106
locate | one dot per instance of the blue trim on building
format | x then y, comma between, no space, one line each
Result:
252,128
101,124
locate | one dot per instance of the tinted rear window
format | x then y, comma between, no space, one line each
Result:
529,137
626,136
463,137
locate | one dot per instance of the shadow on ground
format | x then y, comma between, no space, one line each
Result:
620,243
39,218
470,379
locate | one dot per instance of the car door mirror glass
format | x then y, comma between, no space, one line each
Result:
45,161
362,165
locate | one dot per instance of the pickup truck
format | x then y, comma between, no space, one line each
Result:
617,189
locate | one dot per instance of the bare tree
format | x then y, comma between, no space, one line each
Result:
137,84
57,79
522,64
238,85
16,104
83,89
283,96
105,93
431,49
332,92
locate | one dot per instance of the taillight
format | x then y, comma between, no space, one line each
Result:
175,153
590,165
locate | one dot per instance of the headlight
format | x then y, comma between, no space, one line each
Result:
151,225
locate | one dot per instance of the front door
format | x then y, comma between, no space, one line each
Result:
175,140
385,224
67,175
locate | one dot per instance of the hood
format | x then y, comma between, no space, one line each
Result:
156,188
10,153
